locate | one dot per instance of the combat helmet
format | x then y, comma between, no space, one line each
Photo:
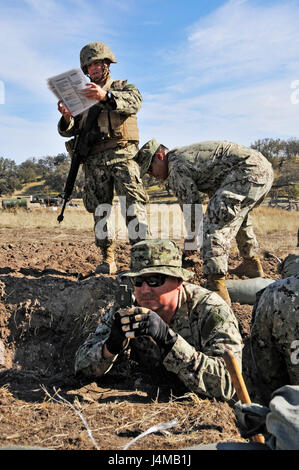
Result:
95,51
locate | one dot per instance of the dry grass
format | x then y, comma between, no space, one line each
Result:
119,424
74,218
266,220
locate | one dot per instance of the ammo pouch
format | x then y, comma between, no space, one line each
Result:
118,126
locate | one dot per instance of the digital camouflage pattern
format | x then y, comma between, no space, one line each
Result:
236,179
274,335
113,168
145,155
205,326
124,177
289,266
157,256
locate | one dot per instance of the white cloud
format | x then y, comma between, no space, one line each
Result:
241,41
231,80
37,39
240,115
22,139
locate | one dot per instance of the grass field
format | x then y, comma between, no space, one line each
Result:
275,228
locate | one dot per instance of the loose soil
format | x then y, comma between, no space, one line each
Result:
50,301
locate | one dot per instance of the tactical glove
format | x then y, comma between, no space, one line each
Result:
115,342
145,322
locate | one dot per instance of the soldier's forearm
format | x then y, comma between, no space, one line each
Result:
203,374
127,102
66,129
93,361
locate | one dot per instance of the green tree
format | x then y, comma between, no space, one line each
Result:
9,180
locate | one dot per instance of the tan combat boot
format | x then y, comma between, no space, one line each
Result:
216,283
108,265
250,267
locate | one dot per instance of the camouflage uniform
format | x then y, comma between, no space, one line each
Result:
274,335
236,179
204,323
110,163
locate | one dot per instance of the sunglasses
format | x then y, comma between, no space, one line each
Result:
155,280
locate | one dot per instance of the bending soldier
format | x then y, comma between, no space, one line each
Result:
174,326
236,179
114,137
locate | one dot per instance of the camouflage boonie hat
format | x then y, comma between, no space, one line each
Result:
144,156
95,51
157,256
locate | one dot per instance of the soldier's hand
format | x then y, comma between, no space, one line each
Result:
117,339
94,92
144,322
64,111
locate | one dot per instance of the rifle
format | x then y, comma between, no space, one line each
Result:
239,385
80,151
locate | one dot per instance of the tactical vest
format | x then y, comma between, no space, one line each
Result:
115,128
113,125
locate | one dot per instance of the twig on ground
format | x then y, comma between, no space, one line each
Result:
76,411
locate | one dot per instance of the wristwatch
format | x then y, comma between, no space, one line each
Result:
108,96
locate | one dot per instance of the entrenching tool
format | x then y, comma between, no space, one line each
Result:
239,384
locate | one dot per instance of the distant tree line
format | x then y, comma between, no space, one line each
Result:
52,171
283,154
278,151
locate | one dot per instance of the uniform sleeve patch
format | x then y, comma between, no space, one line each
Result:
214,320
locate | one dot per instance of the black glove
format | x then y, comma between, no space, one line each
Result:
145,322
117,337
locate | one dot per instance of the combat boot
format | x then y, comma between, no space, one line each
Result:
216,283
250,267
108,265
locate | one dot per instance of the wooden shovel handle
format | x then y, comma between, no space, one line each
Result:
239,384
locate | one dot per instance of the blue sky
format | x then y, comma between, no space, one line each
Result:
220,70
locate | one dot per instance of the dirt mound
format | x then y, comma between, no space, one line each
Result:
49,302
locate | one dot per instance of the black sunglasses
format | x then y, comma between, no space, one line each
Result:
155,280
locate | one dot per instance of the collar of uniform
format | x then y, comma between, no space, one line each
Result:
182,304
108,83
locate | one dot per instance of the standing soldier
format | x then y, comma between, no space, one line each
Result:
236,179
113,145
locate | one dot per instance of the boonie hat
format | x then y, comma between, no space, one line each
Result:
145,155
157,256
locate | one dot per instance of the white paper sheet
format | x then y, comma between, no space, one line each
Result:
67,87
